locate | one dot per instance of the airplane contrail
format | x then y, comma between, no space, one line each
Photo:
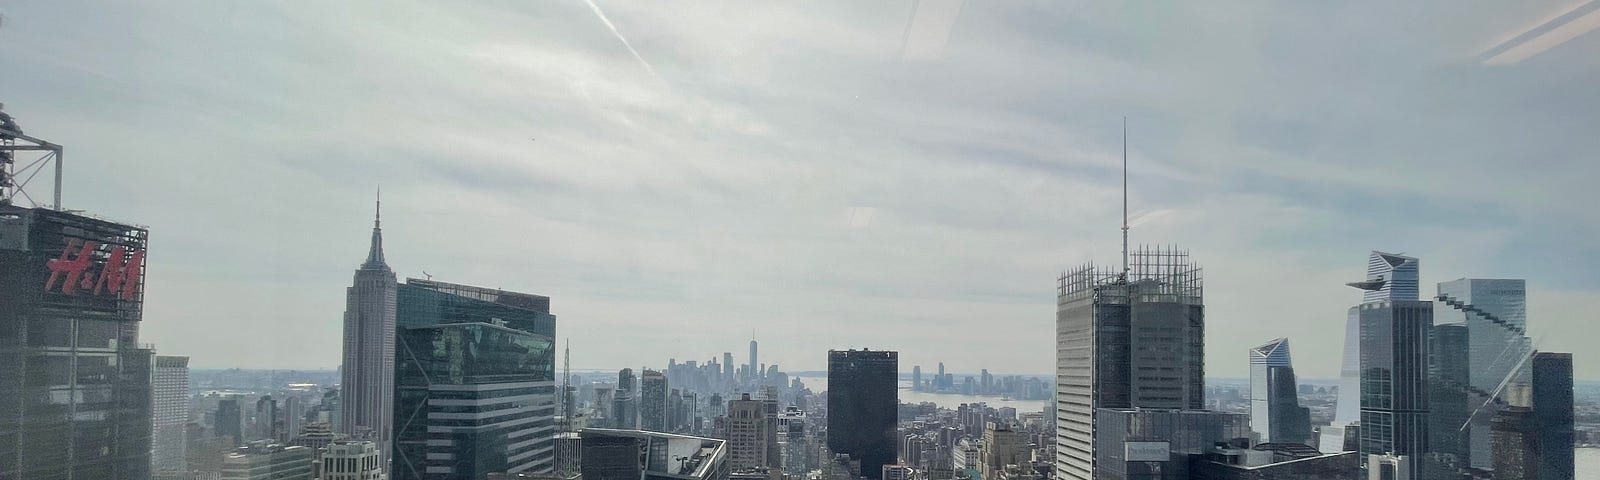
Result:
624,40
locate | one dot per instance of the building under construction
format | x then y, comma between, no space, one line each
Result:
1125,339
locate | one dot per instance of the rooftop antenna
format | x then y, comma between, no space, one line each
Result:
1124,198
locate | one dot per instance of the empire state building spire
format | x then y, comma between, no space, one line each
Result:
375,254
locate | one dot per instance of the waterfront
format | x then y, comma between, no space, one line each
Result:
943,400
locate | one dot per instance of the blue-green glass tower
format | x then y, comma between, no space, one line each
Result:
475,382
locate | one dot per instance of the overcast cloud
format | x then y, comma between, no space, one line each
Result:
696,171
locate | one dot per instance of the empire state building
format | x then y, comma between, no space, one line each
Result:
367,398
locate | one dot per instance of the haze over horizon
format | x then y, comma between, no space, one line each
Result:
834,175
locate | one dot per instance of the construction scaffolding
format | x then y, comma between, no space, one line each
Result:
1157,273
15,179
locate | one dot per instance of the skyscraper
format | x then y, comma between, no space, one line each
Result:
75,399
169,458
1395,328
230,421
727,367
863,397
750,433
1275,411
367,383
476,382
653,401
267,422
1129,339
916,378
1495,313
755,368
624,405
170,420
1552,414
1448,378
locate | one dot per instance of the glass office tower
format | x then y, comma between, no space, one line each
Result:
1394,352
475,382
75,385
1495,313
1125,340
1275,411
1552,412
863,402
1448,377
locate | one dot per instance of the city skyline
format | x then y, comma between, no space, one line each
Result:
746,212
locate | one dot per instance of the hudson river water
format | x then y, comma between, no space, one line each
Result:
1587,460
945,400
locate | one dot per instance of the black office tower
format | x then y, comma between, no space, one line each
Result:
75,399
1552,414
1449,380
863,398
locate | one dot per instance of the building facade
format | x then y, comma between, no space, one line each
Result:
1495,313
750,433
637,454
653,401
476,382
1515,440
1125,340
1552,412
863,398
367,372
263,460
75,383
1156,443
350,460
170,419
1002,445
230,421
1275,411
1449,374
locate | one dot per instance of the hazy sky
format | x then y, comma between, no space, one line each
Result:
827,175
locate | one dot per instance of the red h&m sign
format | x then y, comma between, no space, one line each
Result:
118,275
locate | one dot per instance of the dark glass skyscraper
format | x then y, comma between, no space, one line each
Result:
75,385
1552,413
863,398
1395,329
1133,339
475,384
1275,411
1449,379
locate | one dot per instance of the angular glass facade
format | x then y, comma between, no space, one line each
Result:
475,389
1495,313
75,385
1275,411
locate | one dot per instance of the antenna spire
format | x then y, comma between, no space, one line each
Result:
377,213
1124,198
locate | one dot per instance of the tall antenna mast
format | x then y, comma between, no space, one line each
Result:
1124,199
